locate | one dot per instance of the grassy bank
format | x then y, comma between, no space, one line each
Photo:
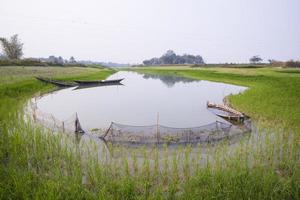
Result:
35,165
17,84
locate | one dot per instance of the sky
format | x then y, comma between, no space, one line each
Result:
130,31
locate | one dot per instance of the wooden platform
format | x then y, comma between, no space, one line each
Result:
226,112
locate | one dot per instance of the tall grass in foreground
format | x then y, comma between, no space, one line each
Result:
43,165
35,164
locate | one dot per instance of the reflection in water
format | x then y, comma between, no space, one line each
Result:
169,80
139,101
80,87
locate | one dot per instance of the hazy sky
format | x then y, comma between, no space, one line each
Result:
134,30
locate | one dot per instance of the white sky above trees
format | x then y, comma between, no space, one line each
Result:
134,30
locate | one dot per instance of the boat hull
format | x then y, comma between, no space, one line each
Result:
99,82
55,82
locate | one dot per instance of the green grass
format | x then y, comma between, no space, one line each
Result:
40,165
273,97
17,84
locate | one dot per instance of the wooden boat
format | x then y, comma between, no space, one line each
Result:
55,82
99,82
226,112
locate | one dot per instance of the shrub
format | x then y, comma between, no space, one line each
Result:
23,62
32,62
291,63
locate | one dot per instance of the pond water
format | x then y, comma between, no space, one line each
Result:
141,100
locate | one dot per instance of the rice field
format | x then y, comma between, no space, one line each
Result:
38,164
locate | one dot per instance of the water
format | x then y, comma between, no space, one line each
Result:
141,100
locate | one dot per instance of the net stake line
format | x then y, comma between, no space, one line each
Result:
78,128
107,131
157,128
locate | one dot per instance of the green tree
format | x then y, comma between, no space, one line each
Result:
12,48
255,59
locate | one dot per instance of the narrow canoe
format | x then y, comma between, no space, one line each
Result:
55,82
99,82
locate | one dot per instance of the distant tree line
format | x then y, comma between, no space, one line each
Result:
12,52
50,61
12,49
170,57
292,63
275,63
59,60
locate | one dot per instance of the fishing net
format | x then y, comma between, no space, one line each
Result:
48,121
154,134
157,134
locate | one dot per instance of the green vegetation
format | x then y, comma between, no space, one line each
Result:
12,47
273,96
265,165
23,62
29,62
17,84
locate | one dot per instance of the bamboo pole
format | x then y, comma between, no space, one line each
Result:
157,128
